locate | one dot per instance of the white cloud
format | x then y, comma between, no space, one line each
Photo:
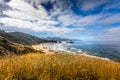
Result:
110,19
10,22
91,4
23,15
67,20
25,11
38,1
79,21
16,23
2,1
110,34
47,22
89,20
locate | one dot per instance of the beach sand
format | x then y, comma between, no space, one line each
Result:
47,48
44,47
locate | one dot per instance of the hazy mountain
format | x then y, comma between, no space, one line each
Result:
57,39
22,38
76,40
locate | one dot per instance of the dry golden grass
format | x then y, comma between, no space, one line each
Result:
57,67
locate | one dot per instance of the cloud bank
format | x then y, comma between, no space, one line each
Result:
111,34
59,17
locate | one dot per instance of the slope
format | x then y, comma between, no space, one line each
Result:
8,47
23,38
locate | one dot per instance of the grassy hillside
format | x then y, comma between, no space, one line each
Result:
8,47
23,38
57,67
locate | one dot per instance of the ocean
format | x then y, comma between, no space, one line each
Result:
104,49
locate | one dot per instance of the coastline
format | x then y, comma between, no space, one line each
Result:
51,48
44,47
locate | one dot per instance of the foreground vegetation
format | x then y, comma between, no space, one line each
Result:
57,67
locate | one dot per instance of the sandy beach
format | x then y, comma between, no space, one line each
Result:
51,48
45,47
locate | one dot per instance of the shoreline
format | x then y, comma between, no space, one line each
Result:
48,48
45,47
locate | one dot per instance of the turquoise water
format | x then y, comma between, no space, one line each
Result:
105,49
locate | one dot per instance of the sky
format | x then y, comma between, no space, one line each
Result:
89,20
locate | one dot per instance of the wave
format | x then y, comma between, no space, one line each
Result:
65,47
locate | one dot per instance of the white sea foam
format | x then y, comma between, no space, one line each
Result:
63,47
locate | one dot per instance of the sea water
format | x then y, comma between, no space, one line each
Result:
104,49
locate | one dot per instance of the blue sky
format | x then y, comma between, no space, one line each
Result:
77,19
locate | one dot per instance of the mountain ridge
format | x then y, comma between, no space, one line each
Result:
23,38
57,39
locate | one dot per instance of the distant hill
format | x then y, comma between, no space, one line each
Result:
22,38
8,47
57,39
76,40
